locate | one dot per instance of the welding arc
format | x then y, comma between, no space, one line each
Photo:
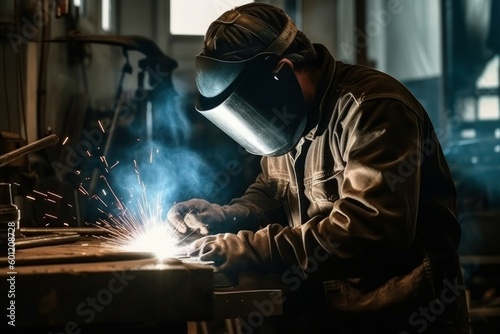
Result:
30,148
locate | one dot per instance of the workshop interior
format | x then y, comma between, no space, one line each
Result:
97,118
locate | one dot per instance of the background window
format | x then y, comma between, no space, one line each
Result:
192,17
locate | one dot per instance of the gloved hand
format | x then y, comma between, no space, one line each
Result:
199,217
196,215
244,251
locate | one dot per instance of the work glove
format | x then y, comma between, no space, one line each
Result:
196,218
245,251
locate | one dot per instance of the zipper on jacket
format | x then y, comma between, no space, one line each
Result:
294,157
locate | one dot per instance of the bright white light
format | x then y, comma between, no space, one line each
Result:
192,17
77,3
488,108
157,239
143,229
106,15
489,78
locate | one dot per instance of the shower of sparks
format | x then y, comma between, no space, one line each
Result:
143,230
137,224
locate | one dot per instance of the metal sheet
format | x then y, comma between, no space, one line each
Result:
115,289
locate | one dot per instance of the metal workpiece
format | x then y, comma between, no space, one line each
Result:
46,240
116,292
46,236
89,286
48,230
85,285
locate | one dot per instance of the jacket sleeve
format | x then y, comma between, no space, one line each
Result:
263,200
374,218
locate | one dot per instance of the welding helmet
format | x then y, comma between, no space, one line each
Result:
258,102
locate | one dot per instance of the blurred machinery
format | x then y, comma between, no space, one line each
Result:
122,129
472,105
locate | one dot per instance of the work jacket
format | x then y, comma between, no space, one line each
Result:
364,209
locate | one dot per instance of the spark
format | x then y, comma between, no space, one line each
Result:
82,189
100,200
118,202
136,223
103,159
39,193
53,194
100,125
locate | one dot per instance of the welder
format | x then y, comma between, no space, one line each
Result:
354,205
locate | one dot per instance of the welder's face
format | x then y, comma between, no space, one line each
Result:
257,102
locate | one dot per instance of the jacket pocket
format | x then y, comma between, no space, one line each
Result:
324,190
278,188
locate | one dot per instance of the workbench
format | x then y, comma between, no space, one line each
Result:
86,287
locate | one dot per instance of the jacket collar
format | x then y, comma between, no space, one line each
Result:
323,89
